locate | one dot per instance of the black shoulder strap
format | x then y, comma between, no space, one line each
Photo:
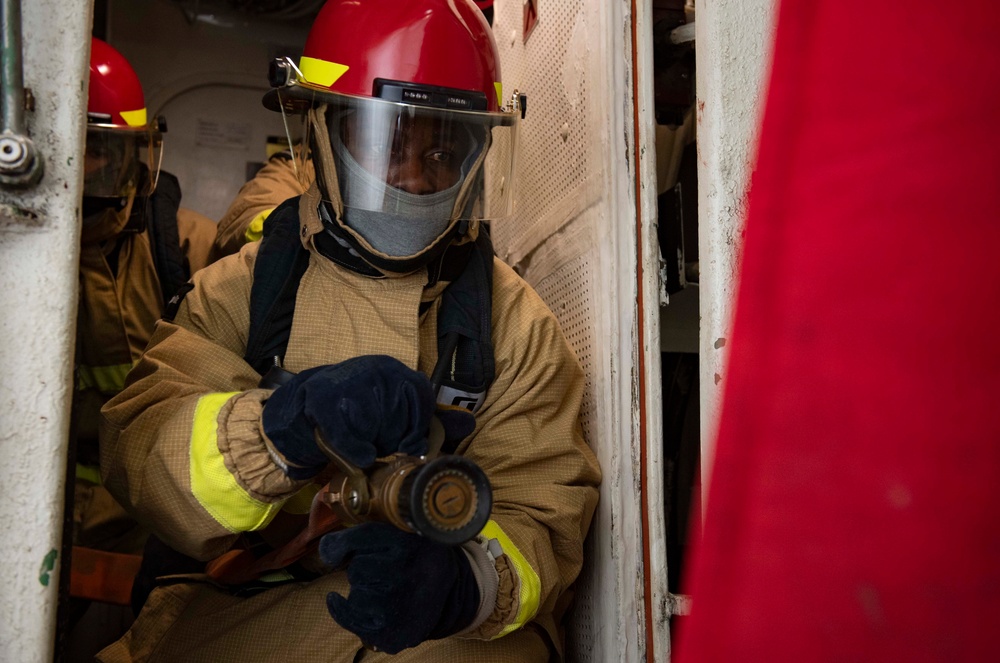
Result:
164,240
281,262
466,367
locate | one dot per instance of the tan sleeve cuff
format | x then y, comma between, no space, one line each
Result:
243,446
498,588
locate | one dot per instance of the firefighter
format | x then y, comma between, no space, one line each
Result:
137,247
285,175
127,271
394,312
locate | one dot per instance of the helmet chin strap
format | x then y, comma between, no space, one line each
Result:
326,173
462,199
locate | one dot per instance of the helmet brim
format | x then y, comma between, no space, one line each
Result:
297,98
291,98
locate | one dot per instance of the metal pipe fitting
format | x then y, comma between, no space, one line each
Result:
20,163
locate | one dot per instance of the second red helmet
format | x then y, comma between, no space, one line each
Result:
123,152
114,94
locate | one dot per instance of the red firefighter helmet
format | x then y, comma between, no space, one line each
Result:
354,46
415,120
123,146
115,95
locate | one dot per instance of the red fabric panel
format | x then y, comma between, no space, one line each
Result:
854,512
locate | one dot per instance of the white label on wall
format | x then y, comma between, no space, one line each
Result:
222,134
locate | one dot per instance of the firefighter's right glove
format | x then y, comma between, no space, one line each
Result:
365,407
405,589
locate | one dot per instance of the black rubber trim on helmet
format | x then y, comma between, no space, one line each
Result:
432,96
295,98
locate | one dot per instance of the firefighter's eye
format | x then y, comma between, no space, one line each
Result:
441,157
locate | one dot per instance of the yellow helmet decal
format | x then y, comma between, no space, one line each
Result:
499,89
321,72
136,118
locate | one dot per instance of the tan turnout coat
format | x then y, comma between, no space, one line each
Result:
182,447
120,302
277,181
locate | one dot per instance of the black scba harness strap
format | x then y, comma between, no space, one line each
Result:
465,368
156,215
168,256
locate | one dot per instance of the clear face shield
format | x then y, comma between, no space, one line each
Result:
413,161
121,162
400,170
423,164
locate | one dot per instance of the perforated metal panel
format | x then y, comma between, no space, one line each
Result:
572,230
568,292
555,138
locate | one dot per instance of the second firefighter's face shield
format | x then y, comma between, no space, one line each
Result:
422,163
120,162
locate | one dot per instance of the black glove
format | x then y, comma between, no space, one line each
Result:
366,407
405,589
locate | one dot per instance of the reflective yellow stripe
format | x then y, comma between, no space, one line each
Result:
105,379
215,488
499,89
531,587
136,118
321,72
88,473
256,228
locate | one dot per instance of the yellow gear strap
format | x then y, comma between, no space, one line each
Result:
256,228
530,592
108,380
212,484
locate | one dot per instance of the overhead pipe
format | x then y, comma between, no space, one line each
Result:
20,163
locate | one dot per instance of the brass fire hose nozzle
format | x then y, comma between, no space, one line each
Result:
446,499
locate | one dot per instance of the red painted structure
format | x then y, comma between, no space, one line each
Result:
854,512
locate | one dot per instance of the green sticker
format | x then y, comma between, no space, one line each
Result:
48,564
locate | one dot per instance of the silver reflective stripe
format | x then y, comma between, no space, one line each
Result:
471,401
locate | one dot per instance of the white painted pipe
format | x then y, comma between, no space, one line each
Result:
39,255
733,39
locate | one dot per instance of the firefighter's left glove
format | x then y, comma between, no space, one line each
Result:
405,589
365,407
